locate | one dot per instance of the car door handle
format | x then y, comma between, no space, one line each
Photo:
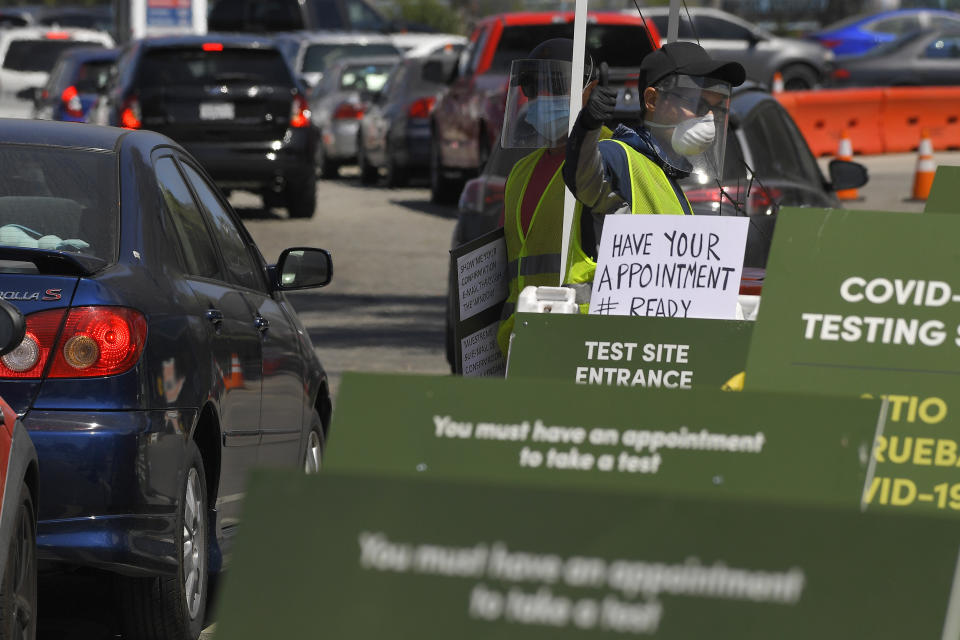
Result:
261,323
215,316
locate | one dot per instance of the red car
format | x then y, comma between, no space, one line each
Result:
466,120
18,505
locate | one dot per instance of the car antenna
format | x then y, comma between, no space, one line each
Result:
693,28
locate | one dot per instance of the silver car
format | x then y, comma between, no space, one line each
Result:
338,104
311,53
803,64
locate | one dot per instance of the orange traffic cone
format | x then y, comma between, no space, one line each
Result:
777,82
926,167
235,379
845,152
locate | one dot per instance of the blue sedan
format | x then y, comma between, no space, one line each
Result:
161,359
76,82
861,33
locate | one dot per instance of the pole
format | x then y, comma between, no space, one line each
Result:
576,99
673,22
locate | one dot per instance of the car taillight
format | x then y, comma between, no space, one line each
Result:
299,113
95,341
130,114
840,74
831,44
57,35
212,46
29,359
421,108
348,111
71,102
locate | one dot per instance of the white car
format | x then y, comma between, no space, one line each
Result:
28,54
422,45
312,53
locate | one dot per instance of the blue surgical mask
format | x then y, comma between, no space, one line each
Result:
550,116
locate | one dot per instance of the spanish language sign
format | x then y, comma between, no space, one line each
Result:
784,448
669,266
384,557
645,353
850,307
480,288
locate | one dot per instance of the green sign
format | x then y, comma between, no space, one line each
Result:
945,193
369,558
869,303
631,352
781,447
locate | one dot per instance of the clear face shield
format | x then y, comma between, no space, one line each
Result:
537,114
690,123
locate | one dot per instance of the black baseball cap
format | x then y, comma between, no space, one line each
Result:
688,58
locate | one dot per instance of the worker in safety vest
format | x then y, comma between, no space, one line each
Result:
684,107
536,117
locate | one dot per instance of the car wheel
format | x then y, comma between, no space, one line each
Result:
173,607
327,167
443,190
368,172
313,452
396,175
301,197
18,591
798,77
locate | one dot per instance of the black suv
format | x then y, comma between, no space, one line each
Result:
233,102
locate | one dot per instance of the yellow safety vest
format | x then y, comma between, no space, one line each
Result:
534,257
651,192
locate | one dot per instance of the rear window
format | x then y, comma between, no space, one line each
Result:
625,44
370,77
39,55
164,67
92,77
318,57
255,15
60,199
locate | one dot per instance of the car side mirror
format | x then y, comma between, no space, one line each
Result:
12,327
754,38
847,175
303,268
31,93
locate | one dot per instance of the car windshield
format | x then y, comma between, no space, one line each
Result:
369,77
319,56
39,55
59,199
192,66
627,44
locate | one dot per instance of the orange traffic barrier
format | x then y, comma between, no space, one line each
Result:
909,110
926,168
823,115
845,152
777,82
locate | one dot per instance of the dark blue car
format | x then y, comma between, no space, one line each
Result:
861,33
161,359
77,81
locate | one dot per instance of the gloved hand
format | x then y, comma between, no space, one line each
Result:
599,107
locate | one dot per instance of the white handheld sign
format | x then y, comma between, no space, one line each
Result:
669,266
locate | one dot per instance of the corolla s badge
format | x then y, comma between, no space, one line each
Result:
48,295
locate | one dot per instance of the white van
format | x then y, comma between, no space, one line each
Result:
28,54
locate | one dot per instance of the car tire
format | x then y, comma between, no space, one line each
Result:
327,166
397,176
799,77
368,173
443,190
173,607
313,451
18,589
301,197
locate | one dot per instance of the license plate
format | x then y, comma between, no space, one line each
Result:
216,111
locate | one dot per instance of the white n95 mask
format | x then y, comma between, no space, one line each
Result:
694,135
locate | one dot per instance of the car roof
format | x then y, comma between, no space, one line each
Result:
232,40
90,54
355,60
40,33
60,134
335,37
519,18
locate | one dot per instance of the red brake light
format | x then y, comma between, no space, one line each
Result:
348,111
130,114
840,74
29,359
300,113
71,102
57,35
831,44
421,108
212,46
